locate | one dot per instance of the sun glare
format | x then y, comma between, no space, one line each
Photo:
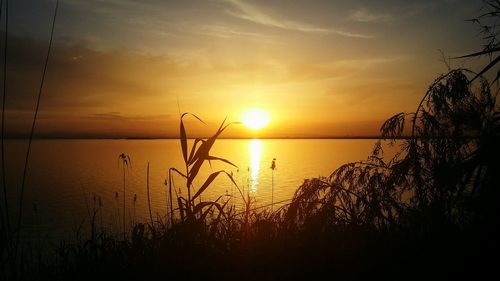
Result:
255,118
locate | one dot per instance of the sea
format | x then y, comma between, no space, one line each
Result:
72,182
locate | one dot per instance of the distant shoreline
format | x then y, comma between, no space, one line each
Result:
228,138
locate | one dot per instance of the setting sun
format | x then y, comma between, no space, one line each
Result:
255,118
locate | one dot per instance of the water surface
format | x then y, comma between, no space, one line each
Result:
67,178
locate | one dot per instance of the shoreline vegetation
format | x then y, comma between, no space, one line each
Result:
430,211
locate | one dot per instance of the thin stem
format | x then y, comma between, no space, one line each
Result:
272,190
188,188
21,199
171,199
149,200
2,145
2,214
123,166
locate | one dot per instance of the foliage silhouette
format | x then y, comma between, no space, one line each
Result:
445,170
431,207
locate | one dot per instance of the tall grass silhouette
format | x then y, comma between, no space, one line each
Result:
194,159
33,124
446,165
435,202
9,251
273,167
125,161
148,195
488,27
2,133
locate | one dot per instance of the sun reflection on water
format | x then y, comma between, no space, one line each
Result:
255,149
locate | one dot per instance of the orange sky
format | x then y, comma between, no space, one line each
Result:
320,68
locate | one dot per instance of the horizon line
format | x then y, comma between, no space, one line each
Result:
191,138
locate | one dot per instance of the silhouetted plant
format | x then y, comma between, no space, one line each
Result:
445,167
125,161
194,159
148,194
273,167
488,26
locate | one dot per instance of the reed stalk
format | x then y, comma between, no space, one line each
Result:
2,133
33,124
123,221
2,214
149,199
273,167
125,160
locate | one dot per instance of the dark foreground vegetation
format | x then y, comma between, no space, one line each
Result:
430,211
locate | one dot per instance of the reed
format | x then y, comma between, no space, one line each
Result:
194,158
149,198
273,167
433,203
33,124
125,161
2,133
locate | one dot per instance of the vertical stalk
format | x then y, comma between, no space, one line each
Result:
21,199
149,200
273,167
2,145
170,197
123,222
2,214
272,190
188,189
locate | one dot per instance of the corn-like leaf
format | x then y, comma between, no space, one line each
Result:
178,172
202,205
221,159
204,214
209,180
211,204
183,139
210,142
194,171
202,154
191,158
184,135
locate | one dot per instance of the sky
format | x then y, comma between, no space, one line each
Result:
127,68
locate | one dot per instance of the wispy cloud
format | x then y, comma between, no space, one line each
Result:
227,32
364,15
246,11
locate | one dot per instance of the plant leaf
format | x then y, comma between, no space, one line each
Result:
486,68
183,139
191,159
484,52
221,159
177,171
209,180
184,135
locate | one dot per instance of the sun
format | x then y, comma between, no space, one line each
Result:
255,118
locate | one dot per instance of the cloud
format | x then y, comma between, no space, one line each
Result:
223,31
245,11
80,77
363,15
123,92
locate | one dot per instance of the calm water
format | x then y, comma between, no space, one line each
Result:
65,175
